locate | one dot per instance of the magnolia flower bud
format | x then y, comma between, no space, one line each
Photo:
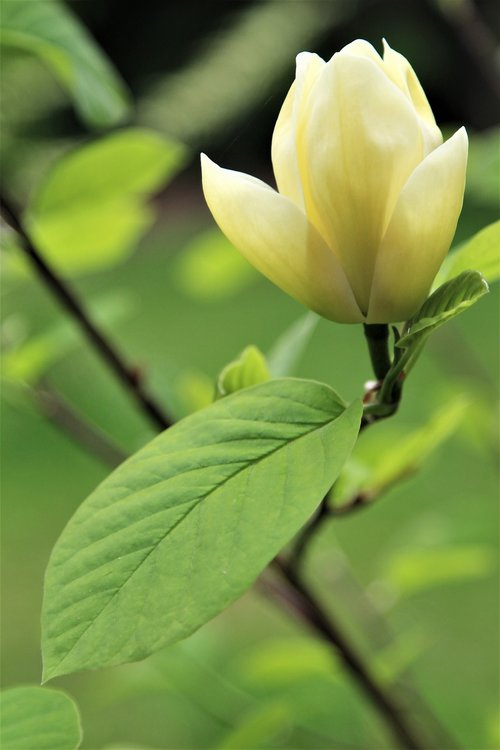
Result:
369,195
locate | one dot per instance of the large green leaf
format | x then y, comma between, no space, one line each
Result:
41,718
183,528
90,210
48,30
449,300
481,252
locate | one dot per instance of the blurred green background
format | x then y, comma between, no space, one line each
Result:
414,578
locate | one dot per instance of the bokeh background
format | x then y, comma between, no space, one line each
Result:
413,578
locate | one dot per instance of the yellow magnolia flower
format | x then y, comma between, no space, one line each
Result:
369,195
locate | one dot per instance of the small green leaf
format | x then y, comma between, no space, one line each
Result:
481,252
290,346
449,300
90,210
249,369
50,31
280,662
259,727
41,718
412,571
182,529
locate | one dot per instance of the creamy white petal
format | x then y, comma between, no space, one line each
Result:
284,143
359,143
403,75
419,233
275,236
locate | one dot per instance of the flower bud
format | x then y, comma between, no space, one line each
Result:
368,194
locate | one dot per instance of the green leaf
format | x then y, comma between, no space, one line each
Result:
259,727
481,252
413,571
280,662
386,457
290,346
49,31
182,529
90,211
209,268
30,359
449,300
249,369
41,718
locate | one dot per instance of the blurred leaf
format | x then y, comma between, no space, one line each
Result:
89,211
210,268
452,298
249,369
290,346
481,252
259,728
195,390
387,462
28,361
41,718
412,571
181,529
48,30
483,168
278,662
390,663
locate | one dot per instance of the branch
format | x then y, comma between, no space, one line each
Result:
84,433
310,610
128,376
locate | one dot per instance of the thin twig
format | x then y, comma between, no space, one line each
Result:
71,422
128,376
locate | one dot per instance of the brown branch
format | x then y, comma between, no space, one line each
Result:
72,423
310,610
128,376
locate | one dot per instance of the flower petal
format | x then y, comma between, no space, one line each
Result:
419,233
275,236
403,75
358,145
284,146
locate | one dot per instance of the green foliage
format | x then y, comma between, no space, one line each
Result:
48,30
210,268
452,298
412,571
281,662
181,529
259,727
249,369
28,360
290,346
41,718
89,211
481,252
378,464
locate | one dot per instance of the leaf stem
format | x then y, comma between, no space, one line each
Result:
128,376
377,338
